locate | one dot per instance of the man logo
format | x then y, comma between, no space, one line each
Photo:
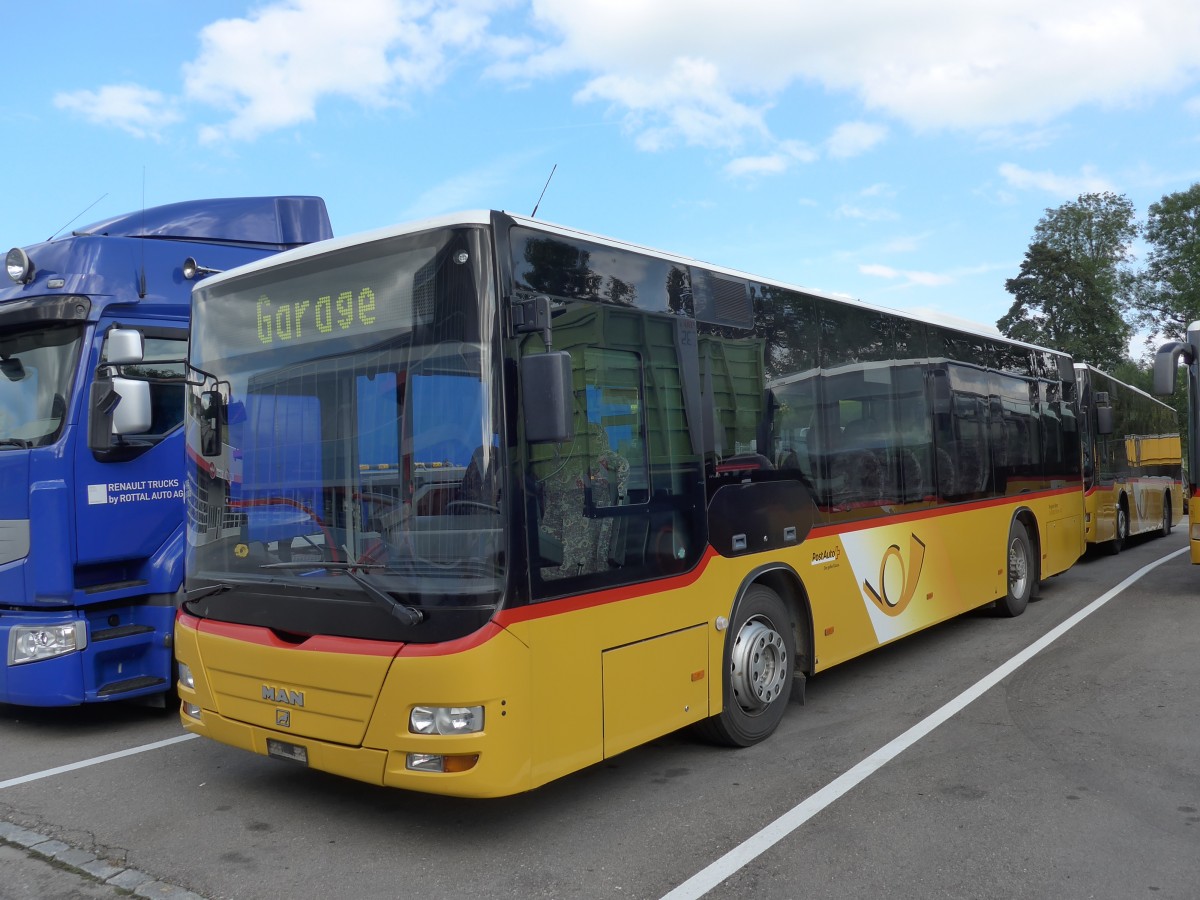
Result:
283,718
282,695
908,577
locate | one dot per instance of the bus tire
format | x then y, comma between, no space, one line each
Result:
759,664
1117,544
1167,524
1021,572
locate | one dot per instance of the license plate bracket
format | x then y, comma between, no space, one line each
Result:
284,750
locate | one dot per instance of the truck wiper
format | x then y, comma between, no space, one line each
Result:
15,442
406,614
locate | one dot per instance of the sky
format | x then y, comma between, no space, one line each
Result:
899,154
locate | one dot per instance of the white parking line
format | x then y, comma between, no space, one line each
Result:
707,879
95,760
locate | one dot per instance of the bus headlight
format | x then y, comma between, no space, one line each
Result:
185,676
27,643
446,720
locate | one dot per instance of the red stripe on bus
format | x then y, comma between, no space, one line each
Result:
916,515
600,598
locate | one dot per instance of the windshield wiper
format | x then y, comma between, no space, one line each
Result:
15,442
406,614
229,584
206,591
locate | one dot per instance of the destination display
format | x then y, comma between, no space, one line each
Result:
319,302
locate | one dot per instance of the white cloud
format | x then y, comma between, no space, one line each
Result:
854,138
789,152
689,101
694,72
130,107
1086,182
929,63
272,68
852,211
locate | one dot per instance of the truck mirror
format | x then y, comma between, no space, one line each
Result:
123,346
547,395
132,414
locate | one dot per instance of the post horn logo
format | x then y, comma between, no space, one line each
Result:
909,576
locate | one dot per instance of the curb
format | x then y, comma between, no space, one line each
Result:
88,865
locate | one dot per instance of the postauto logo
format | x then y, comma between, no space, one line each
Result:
908,575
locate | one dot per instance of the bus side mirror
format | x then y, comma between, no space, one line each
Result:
1104,414
547,396
212,423
1166,360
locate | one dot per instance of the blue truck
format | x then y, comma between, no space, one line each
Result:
93,348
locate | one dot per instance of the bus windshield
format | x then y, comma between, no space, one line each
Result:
347,436
37,366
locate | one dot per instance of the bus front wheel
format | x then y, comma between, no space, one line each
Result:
1021,572
759,664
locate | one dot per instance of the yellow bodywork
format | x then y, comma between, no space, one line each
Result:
567,683
1144,498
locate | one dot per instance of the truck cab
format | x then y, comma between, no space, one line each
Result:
94,331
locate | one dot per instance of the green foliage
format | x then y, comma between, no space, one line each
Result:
1074,283
1167,298
1059,303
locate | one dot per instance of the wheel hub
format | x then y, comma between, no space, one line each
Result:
1018,568
760,666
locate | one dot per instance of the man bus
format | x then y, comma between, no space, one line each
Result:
1132,462
627,492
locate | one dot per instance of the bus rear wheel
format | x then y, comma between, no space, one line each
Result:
1022,571
1117,544
1167,524
759,665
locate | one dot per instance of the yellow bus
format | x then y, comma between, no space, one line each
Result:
478,502
1132,461
1166,363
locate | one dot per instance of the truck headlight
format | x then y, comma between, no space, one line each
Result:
28,643
446,719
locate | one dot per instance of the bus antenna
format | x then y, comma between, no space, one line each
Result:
543,193
77,215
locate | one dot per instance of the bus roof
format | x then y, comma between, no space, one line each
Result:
485,217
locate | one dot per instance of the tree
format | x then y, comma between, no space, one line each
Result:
1059,304
1167,298
1075,283
1096,229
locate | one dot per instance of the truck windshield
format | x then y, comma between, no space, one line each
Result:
37,367
346,437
